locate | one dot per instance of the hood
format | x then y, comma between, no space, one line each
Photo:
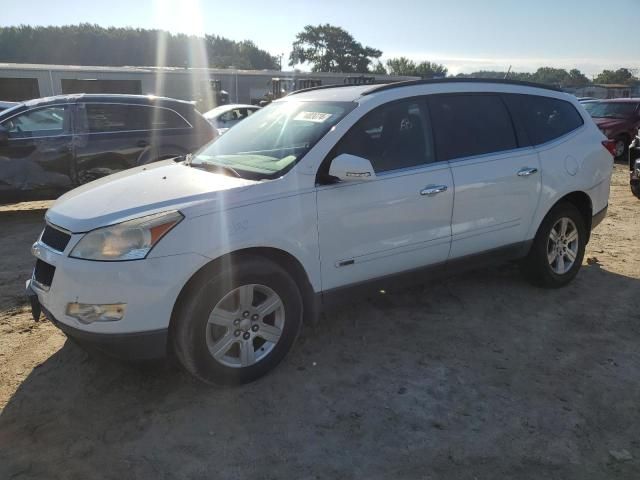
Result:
607,123
136,192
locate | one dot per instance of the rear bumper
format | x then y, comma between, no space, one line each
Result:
598,217
138,346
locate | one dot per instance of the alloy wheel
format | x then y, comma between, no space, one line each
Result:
562,245
245,325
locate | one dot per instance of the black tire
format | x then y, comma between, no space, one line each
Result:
635,189
189,325
536,267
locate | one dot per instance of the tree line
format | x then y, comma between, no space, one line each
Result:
332,49
87,44
323,48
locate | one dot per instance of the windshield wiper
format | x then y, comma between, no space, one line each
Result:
217,166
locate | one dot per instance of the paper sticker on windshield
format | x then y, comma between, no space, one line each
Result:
318,117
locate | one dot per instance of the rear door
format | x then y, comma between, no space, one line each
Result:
110,137
496,176
38,155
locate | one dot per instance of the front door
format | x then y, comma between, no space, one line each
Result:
397,222
37,158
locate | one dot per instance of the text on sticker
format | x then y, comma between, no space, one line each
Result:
318,117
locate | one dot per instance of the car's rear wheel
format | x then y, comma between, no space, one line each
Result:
558,248
238,325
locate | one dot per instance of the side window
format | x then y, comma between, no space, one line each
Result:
48,121
467,125
110,117
161,118
393,136
543,118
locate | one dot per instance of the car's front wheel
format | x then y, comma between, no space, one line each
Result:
558,248
237,325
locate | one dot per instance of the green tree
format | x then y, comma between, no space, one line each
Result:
379,68
558,77
407,67
87,44
622,75
431,70
577,78
331,49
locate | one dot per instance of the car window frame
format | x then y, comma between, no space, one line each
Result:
520,122
68,131
82,120
521,139
322,172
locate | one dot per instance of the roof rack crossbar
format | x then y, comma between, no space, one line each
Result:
409,83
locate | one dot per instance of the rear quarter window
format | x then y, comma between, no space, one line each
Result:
161,118
543,118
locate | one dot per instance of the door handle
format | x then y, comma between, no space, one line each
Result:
431,190
525,172
143,143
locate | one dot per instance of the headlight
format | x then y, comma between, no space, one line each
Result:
131,240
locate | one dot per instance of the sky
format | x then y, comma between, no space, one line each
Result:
465,35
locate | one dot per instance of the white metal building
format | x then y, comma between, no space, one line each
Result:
204,85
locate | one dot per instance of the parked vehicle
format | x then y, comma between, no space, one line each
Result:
323,194
634,166
589,105
7,105
50,145
226,116
619,120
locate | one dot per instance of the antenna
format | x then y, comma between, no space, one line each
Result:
508,72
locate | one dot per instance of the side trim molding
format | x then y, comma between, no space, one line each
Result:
348,293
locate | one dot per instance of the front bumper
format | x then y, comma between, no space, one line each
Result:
148,287
138,346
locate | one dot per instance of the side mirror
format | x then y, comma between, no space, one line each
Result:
4,136
349,168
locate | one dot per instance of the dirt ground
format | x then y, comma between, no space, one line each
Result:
475,377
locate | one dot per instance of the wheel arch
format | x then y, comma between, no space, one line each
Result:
582,201
285,259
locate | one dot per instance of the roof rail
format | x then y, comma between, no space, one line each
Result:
409,83
337,85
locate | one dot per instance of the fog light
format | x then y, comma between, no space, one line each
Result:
89,313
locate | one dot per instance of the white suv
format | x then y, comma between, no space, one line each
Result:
219,258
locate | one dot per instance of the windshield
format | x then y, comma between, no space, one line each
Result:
271,141
612,109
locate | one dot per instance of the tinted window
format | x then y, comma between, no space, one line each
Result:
544,118
393,136
160,118
109,117
34,123
466,125
613,109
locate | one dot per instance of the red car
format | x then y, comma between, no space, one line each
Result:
619,120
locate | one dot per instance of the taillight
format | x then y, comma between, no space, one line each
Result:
610,145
